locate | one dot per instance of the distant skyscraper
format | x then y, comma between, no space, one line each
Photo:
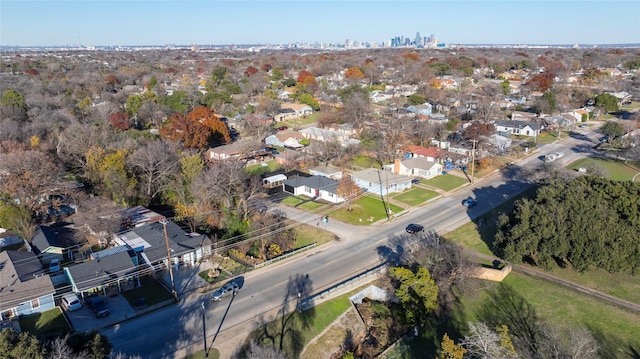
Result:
418,41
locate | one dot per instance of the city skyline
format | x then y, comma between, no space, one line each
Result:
145,22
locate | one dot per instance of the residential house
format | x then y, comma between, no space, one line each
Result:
316,187
287,138
416,167
138,216
289,157
414,151
274,181
326,171
285,114
425,109
24,287
150,244
301,109
508,128
107,274
47,245
443,83
224,152
286,93
323,135
379,96
380,182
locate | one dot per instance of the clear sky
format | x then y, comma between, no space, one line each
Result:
217,22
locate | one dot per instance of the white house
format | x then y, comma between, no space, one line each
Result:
289,139
380,182
326,171
507,128
320,134
316,187
418,167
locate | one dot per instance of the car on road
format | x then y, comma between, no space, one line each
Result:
469,202
224,291
414,228
99,307
70,302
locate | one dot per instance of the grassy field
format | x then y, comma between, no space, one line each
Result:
364,211
293,123
296,329
415,196
614,169
446,182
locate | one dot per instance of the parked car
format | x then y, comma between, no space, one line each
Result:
282,128
225,291
99,307
414,228
415,181
469,202
54,265
70,302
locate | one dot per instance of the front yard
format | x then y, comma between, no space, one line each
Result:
48,324
613,169
303,202
364,211
446,182
414,196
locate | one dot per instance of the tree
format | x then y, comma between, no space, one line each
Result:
484,343
200,129
250,71
30,177
612,130
348,190
416,99
155,164
450,350
309,100
353,73
256,351
20,346
120,120
607,101
417,292
108,172
306,78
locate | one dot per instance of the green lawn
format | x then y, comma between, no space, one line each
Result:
414,196
305,235
615,169
446,182
293,123
296,329
151,290
364,211
303,202
47,324
365,162
259,169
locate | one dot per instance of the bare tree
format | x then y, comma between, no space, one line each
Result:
485,343
155,163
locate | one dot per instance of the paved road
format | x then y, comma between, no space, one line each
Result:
170,332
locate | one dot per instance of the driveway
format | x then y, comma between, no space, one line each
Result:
83,319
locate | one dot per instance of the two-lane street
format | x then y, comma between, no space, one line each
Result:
161,333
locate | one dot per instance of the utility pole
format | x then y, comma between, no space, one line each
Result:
166,240
204,332
473,159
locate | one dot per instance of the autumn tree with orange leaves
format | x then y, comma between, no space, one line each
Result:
306,78
200,128
353,73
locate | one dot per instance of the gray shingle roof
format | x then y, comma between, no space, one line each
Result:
316,182
97,272
44,238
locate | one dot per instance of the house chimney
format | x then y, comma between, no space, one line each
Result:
396,166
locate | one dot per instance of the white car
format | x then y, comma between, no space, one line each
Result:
224,291
70,302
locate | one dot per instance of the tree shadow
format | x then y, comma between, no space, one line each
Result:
286,332
505,306
608,345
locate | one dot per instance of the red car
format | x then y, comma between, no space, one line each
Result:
282,128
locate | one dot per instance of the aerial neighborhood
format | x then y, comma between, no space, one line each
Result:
136,181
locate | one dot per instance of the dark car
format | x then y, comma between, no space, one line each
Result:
224,291
414,228
415,181
99,307
282,128
469,202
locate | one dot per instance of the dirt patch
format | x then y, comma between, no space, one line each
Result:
347,328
